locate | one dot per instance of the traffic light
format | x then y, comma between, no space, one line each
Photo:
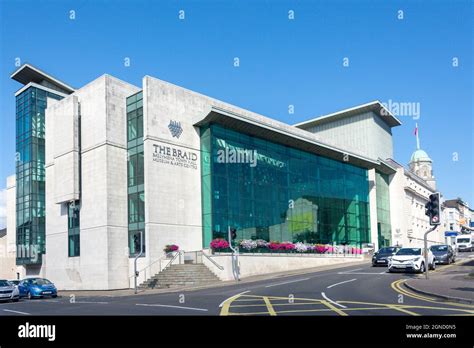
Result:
433,209
233,233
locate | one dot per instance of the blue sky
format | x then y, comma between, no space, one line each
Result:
282,61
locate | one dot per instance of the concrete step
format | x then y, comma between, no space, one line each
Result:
181,275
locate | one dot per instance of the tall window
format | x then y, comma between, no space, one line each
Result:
73,211
30,173
135,174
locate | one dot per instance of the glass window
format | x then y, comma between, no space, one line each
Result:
285,195
74,229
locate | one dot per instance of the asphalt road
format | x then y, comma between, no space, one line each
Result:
352,290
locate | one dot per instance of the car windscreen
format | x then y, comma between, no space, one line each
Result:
439,248
463,240
40,281
4,283
387,250
409,251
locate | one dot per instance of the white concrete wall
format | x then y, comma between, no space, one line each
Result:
8,267
63,147
256,264
103,262
364,134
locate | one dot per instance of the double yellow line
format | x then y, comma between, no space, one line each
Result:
398,287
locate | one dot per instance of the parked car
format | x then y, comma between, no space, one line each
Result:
15,282
443,254
8,291
411,259
37,287
380,257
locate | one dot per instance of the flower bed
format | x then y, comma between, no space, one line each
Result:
262,246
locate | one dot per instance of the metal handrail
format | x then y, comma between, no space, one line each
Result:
159,259
214,262
178,253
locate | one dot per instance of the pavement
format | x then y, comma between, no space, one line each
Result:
349,290
454,282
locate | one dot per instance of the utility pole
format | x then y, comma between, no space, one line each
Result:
433,211
426,249
235,254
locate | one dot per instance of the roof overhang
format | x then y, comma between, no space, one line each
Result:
286,135
376,106
28,73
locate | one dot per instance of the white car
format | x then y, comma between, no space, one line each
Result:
8,291
411,259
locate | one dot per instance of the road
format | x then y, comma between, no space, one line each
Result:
351,290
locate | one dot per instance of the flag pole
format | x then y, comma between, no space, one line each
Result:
417,138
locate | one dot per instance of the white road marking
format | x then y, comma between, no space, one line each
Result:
98,302
346,281
289,282
362,273
352,270
222,303
9,310
329,300
180,307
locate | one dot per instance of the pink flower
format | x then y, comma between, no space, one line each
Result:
219,243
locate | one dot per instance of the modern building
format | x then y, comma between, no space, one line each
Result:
107,166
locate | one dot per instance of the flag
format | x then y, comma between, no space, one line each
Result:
416,130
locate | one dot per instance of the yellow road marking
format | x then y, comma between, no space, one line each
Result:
271,311
402,310
278,304
334,308
330,307
396,285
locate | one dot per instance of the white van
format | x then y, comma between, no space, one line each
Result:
464,242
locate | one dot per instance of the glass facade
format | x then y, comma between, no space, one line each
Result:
135,173
384,229
30,174
73,218
278,193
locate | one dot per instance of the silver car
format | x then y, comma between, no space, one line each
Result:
8,291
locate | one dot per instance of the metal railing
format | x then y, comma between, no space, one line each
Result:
212,261
184,257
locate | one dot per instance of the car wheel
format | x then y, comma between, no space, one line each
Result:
422,268
29,296
15,300
433,266
54,296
